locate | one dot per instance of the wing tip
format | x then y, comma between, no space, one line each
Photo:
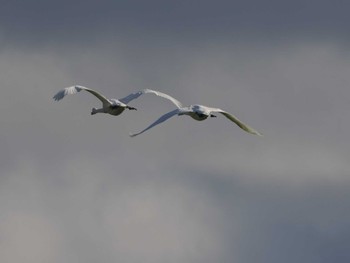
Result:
67,91
259,134
145,91
132,135
256,133
58,96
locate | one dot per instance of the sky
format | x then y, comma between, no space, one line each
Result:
77,188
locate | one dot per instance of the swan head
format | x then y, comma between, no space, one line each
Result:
130,108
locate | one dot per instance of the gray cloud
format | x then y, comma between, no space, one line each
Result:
90,211
40,22
75,187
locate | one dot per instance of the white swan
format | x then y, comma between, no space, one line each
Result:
197,112
110,106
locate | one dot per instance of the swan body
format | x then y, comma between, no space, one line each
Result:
197,112
111,106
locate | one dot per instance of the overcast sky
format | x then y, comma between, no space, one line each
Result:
77,188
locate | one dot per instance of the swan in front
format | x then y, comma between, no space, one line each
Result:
110,106
197,112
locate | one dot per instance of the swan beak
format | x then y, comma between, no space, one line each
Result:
213,116
131,108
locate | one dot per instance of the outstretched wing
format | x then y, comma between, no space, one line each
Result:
160,120
233,118
161,94
131,97
75,89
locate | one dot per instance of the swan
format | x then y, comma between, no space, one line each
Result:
197,112
110,106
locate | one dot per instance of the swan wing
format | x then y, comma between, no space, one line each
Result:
131,97
160,120
239,123
161,94
75,89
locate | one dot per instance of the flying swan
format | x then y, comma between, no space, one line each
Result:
110,106
197,112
